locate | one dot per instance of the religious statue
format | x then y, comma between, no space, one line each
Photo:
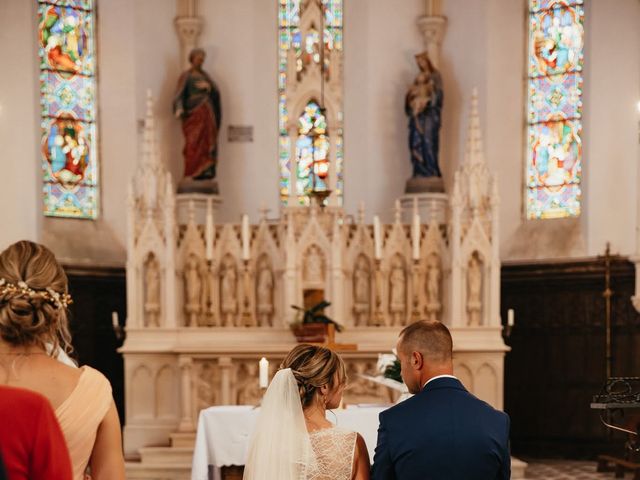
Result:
433,286
197,103
423,106
192,289
228,293
397,292
209,316
152,292
474,290
361,291
313,271
264,294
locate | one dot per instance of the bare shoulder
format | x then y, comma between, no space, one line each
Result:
361,446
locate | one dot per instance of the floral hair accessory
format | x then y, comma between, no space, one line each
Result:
57,299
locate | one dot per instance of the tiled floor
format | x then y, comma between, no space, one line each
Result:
566,470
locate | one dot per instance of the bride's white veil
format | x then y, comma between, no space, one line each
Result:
280,448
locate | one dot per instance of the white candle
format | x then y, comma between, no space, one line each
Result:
264,372
415,236
377,237
208,232
245,237
510,317
114,320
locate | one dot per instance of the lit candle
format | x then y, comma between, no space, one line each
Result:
377,237
264,372
208,232
511,317
415,236
245,237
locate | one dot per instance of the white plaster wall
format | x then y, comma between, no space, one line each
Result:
20,196
484,46
612,128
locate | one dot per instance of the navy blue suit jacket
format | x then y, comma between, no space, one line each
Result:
442,433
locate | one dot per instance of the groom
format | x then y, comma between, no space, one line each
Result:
443,432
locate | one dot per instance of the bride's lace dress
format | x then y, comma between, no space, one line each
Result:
334,449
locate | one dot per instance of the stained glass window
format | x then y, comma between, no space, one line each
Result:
554,108
67,98
300,49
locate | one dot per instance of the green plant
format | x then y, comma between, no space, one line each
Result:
315,314
392,371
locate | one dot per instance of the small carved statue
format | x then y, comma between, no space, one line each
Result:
397,291
228,293
361,291
264,294
152,292
474,290
313,271
433,286
193,289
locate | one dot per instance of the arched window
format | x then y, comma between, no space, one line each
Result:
554,160
310,147
312,150
67,97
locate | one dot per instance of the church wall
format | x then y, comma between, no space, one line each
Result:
141,51
240,39
19,125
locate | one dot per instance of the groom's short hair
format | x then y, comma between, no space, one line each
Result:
429,337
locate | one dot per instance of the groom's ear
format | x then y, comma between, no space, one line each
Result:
417,361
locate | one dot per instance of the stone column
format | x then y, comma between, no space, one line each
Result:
186,369
292,130
188,26
225,365
432,26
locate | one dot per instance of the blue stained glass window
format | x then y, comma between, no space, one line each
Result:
554,108
66,45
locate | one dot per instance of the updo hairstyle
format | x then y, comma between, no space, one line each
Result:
312,367
32,282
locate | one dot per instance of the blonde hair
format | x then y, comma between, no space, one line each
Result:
29,318
312,367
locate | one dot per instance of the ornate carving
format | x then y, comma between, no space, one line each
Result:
432,286
474,290
247,386
362,291
207,384
397,291
151,292
362,390
264,292
228,291
193,283
314,266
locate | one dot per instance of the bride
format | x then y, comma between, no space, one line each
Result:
293,439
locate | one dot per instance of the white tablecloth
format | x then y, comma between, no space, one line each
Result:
223,434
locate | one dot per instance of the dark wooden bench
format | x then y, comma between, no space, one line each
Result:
607,463
233,472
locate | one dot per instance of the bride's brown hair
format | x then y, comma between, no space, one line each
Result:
31,312
312,367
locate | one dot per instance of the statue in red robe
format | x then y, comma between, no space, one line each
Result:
197,103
